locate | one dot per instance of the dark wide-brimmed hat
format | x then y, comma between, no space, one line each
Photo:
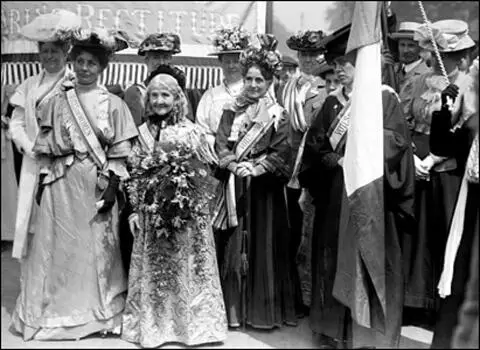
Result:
109,40
306,41
163,42
335,44
230,41
50,27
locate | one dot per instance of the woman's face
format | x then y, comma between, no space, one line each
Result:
345,71
87,68
161,101
255,84
52,57
308,61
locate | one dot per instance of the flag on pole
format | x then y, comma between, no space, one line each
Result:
364,161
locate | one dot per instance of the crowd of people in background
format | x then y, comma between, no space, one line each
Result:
269,247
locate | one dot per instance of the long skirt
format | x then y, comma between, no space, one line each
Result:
447,317
327,314
9,189
259,290
423,252
174,291
72,280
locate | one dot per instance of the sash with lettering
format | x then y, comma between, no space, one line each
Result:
94,147
146,138
338,130
225,215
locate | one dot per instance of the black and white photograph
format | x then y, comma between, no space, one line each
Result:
240,174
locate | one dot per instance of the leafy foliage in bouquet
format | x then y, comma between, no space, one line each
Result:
172,184
172,189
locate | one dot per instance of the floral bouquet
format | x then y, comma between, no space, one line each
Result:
171,184
234,39
172,188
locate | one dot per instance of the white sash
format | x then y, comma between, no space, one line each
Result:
146,138
253,135
341,128
95,148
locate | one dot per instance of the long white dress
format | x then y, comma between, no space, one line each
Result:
72,280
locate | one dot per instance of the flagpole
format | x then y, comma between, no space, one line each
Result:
269,18
392,79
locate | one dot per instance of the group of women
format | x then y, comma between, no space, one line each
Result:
79,144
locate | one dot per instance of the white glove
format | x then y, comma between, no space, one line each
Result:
302,201
134,224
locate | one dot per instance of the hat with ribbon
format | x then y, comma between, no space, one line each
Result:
306,41
406,30
230,40
109,40
50,27
164,42
450,35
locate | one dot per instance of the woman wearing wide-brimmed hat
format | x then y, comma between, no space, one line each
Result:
228,44
73,283
437,178
302,97
51,31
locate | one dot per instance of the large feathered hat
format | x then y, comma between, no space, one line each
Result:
50,27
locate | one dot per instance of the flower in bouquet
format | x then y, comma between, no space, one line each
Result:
172,189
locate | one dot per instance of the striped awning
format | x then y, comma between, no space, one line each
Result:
122,73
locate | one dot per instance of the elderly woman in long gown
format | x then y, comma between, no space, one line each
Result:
72,282
172,297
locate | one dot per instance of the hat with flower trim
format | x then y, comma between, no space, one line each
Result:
309,40
230,40
109,40
263,51
50,27
165,42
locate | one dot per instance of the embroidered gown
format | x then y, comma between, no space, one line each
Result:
184,307
72,280
269,287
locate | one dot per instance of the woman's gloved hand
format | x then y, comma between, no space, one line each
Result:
451,91
110,194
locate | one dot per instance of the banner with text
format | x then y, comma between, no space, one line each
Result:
193,21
